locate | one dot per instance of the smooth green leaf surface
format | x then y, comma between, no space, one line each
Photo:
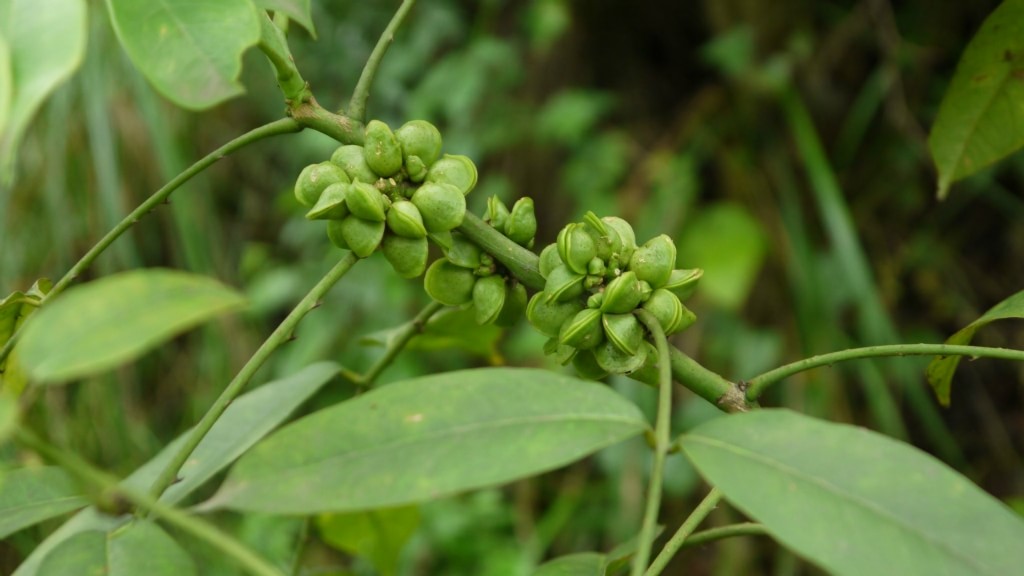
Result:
100,325
139,548
582,564
297,10
377,535
940,370
31,495
854,501
83,554
980,119
45,44
190,51
426,438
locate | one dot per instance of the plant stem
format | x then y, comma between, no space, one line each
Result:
397,343
730,531
280,335
679,538
661,443
522,263
275,47
283,126
757,385
357,105
724,394
342,128
194,526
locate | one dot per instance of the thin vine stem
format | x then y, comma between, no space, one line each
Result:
661,443
283,333
357,105
723,532
274,46
757,385
283,126
197,527
522,263
682,534
396,344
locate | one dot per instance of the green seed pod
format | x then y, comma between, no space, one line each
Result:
595,300
623,330
597,267
497,213
442,239
576,247
587,367
315,178
442,206
521,225
627,238
334,234
654,261
623,294
416,169
459,171
563,354
548,317
420,139
463,252
584,331
606,239
682,283
670,312
352,161
449,284
648,373
563,285
549,260
365,201
381,149
615,361
404,219
488,298
362,236
408,256
515,305
331,205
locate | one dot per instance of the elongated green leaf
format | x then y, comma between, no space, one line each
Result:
940,370
854,501
979,121
297,10
428,437
244,423
100,325
582,564
190,51
377,535
139,548
46,43
31,495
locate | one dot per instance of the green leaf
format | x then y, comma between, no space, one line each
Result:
105,323
297,10
45,43
854,501
190,51
426,438
940,370
582,564
30,495
448,329
140,548
979,120
378,535
245,422
14,309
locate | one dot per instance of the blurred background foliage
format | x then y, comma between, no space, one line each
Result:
703,120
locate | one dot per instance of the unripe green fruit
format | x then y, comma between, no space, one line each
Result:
353,162
421,139
615,361
459,171
623,330
606,238
670,312
315,178
622,294
362,236
563,285
654,261
449,284
521,225
549,260
682,282
442,239
584,331
408,256
587,367
404,219
497,213
488,298
416,169
648,373
464,253
576,247
334,234
515,305
548,317
365,201
627,238
381,149
331,205
442,206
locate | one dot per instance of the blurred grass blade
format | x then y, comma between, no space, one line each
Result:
30,495
141,548
6,82
979,119
940,370
581,564
854,501
100,325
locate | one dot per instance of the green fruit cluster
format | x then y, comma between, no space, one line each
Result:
596,277
518,224
390,193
